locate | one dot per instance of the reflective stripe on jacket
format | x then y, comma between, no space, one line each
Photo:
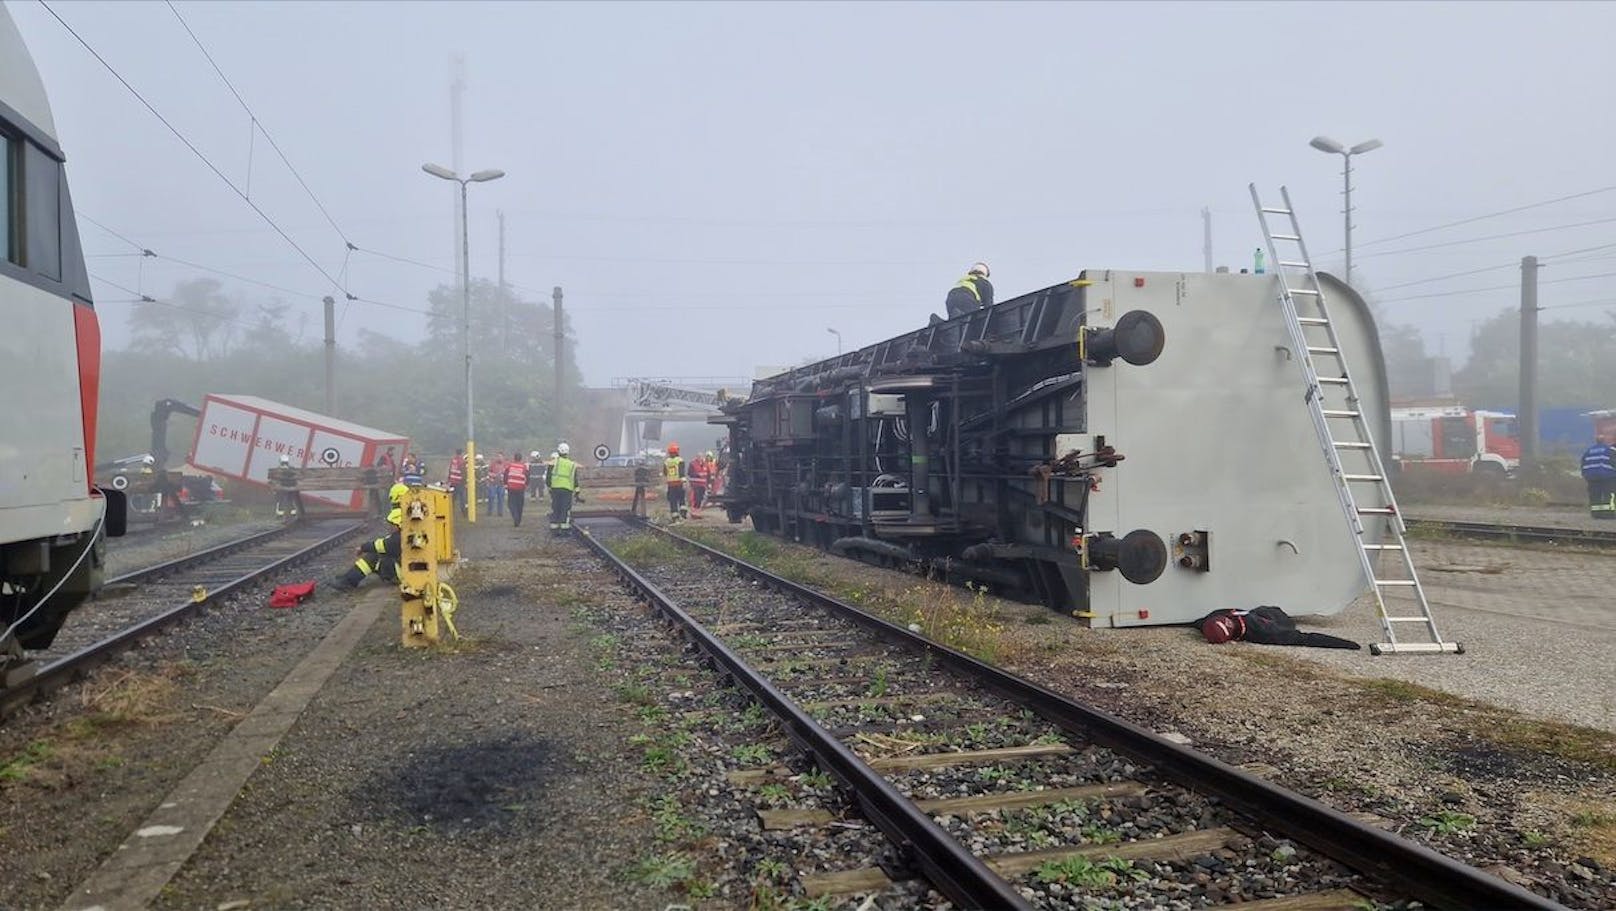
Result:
516,476
1597,461
673,469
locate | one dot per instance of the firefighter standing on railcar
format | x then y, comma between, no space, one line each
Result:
563,484
380,557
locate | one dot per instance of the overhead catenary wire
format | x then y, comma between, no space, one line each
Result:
258,124
1508,234
1552,281
1544,260
192,146
1489,215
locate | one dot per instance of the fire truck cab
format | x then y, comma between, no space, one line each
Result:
1455,440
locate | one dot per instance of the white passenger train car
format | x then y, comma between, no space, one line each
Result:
52,520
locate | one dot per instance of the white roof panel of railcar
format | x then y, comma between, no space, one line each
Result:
20,86
336,425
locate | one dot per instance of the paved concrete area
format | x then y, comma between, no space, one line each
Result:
1538,627
1546,516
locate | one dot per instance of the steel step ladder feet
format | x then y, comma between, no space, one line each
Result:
1361,483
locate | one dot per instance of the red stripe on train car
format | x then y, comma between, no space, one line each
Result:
87,337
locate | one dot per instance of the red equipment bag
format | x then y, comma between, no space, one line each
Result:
291,595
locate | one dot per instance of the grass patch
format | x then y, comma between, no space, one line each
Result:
664,870
1448,822
1567,741
1085,873
20,766
1402,692
647,547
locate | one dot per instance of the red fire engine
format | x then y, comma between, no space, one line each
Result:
1455,440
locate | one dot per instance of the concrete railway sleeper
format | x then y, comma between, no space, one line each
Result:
1000,793
151,599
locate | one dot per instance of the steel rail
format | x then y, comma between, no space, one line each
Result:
1545,534
64,670
957,873
201,556
1416,870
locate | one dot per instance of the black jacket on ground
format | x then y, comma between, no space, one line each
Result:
1272,626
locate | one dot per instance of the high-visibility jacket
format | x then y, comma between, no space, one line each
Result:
673,470
516,476
699,470
564,474
457,471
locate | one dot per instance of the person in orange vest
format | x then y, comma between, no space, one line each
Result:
673,471
515,488
456,480
698,484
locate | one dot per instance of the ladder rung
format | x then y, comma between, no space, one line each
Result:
1376,511
1304,291
1296,265
1408,582
1341,445
1418,648
1334,380
1313,321
1382,546
1337,413
1287,237
1277,211
1408,619
1362,477
1312,350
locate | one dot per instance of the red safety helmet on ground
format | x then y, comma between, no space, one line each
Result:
1222,628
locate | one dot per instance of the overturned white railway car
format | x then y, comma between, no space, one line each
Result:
1132,447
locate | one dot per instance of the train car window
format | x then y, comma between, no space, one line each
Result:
9,210
42,215
74,275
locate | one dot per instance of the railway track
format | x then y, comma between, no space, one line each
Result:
1516,534
995,790
153,598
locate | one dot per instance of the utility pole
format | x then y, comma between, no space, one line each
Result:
1528,410
330,356
504,305
1206,226
560,357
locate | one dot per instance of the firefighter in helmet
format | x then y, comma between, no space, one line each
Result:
380,557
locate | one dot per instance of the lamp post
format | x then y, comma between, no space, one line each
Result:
1326,144
838,340
465,326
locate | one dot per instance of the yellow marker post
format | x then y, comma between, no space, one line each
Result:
418,570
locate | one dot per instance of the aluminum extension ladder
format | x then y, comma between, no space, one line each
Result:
1332,399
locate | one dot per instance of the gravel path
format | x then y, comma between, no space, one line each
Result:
79,771
491,774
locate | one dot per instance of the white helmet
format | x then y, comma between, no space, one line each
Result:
534,454
981,268
286,460
148,460
563,448
553,454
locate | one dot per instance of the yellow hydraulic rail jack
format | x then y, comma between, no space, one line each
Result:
425,596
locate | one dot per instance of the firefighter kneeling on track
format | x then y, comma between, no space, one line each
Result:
380,557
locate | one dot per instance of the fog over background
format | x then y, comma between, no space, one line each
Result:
717,185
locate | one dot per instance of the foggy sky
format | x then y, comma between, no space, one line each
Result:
716,185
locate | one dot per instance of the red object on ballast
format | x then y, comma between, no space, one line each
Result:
1139,281
291,595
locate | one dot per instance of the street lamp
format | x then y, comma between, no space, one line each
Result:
437,170
1326,144
838,340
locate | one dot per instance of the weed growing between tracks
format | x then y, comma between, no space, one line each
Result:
111,701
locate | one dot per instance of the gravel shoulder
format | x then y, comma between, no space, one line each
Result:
488,774
1532,797
80,770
